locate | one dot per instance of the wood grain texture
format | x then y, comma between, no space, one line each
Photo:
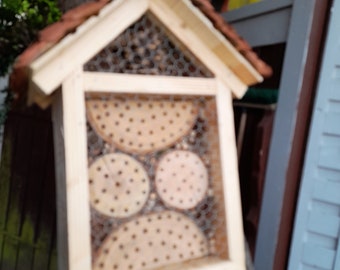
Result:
72,178
152,241
148,84
141,126
119,185
194,32
181,179
229,167
80,47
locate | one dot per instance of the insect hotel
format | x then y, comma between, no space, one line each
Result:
141,93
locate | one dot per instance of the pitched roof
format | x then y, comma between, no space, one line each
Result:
73,18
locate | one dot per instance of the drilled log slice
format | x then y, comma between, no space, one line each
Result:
141,126
181,179
152,241
119,185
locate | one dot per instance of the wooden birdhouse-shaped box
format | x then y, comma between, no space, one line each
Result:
144,137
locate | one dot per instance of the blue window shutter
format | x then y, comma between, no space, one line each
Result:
316,236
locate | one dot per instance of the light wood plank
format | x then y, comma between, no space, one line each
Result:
207,263
49,70
148,84
198,34
221,237
230,176
70,129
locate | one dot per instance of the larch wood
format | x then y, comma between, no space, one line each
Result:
49,70
221,239
181,179
177,23
152,241
141,126
182,20
202,27
230,176
206,263
148,84
119,185
72,178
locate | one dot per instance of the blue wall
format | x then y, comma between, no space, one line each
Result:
316,238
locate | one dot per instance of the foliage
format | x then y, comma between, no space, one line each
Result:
233,4
20,21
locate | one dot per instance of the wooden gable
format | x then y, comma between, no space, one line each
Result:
192,116
181,20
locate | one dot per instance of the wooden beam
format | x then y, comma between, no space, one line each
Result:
148,84
72,179
230,176
49,70
207,263
42,100
198,34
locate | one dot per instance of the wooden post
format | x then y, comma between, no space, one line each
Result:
74,248
230,175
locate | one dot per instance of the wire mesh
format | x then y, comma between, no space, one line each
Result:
154,169
144,48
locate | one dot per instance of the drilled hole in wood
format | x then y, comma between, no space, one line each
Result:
137,147
121,189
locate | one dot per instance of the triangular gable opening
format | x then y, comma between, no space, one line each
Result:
145,48
180,22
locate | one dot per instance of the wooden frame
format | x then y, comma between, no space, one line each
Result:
193,31
71,175
71,163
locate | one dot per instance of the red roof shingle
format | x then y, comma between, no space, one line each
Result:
73,18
